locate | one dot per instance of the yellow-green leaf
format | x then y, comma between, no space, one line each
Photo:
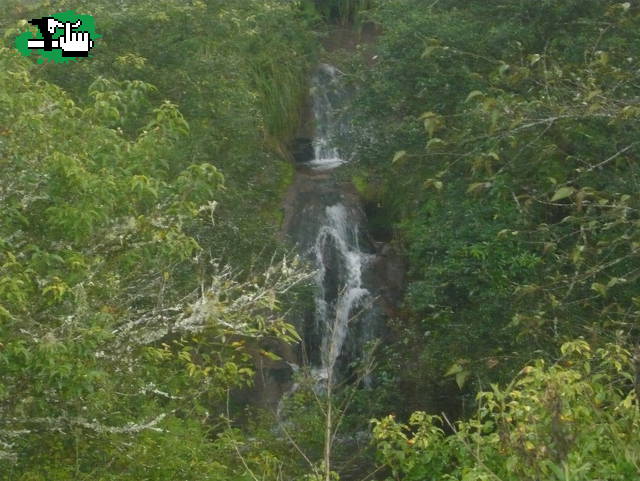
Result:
398,156
433,183
473,95
562,193
476,187
454,369
461,378
599,288
435,141
271,355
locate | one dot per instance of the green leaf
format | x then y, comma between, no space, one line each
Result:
433,183
4,313
431,121
434,142
599,288
271,355
454,369
461,378
399,156
473,95
457,368
477,187
429,50
562,193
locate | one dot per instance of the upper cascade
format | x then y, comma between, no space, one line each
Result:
328,95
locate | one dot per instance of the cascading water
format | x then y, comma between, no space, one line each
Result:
325,223
338,299
328,96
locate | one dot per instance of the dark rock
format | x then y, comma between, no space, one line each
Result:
302,150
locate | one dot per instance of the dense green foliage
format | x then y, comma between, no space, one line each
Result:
574,420
129,181
512,132
500,139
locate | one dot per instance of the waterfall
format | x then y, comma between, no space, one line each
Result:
327,95
327,226
337,241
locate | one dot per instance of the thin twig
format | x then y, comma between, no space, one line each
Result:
613,157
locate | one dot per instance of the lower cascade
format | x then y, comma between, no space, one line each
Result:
341,296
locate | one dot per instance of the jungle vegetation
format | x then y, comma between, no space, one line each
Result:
495,146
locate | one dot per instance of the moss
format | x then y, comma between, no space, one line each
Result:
368,189
287,175
284,174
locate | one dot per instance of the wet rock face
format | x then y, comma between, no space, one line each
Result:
302,150
311,192
390,273
273,376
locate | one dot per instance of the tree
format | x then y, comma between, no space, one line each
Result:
120,333
575,419
518,164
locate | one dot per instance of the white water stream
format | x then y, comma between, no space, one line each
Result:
342,298
327,224
327,94
338,237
